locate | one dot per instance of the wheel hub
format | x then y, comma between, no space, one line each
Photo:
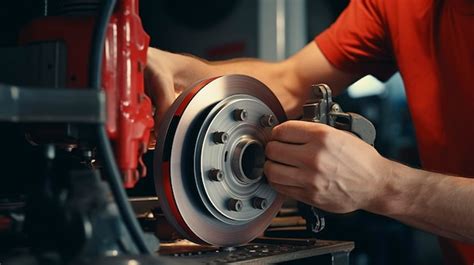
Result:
239,158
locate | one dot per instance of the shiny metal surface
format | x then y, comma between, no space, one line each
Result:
195,205
241,159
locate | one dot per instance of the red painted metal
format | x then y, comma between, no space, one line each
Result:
129,110
134,113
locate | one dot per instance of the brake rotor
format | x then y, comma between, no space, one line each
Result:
209,161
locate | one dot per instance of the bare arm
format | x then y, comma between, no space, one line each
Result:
338,172
438,203
289,79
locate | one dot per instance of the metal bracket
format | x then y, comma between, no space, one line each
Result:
322,109
22,104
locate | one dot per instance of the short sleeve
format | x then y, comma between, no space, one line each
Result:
358,41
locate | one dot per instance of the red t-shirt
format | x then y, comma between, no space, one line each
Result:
431,43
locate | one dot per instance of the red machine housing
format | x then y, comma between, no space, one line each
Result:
129,111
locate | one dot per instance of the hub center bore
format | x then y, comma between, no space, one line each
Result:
248,160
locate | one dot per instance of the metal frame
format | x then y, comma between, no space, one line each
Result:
262,251
21,104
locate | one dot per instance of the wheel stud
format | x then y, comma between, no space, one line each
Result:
220,137
235,205
240,115
267,120
216,175
259,203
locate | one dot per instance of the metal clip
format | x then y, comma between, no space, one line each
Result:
319,221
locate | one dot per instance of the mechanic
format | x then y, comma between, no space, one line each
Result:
431,43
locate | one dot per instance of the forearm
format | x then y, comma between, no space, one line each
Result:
276,75
441,204
290,79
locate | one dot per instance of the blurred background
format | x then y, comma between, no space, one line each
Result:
270,30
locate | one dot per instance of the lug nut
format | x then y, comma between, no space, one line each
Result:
240,114
216,175
259,203
267,121
235,205
220,137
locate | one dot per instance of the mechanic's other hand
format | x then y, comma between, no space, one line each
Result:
324,167
159,81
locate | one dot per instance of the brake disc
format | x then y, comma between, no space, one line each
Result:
209,161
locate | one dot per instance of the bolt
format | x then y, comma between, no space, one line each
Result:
235,205
267,120
335,108
259,203
240,115
220,137
216,175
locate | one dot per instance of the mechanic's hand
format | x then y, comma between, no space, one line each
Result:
324,167
159,81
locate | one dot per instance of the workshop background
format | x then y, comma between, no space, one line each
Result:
271,30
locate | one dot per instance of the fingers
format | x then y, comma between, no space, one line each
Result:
284,153
296,193
282,174
297,132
